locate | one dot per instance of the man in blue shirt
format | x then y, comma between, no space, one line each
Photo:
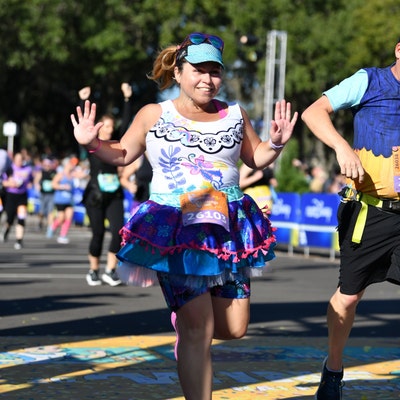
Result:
369,214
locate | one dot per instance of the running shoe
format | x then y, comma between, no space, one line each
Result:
92,278
330,387
62,240
111,278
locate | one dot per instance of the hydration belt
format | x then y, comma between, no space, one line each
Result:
350,194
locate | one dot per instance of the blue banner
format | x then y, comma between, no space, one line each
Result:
318,220
285,216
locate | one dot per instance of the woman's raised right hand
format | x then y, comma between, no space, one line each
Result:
85,129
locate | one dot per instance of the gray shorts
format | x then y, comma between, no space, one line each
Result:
46,203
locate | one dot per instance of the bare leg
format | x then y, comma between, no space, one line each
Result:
196,327
94,262
111,261
231,317
20,227
198,322
340,315
19,231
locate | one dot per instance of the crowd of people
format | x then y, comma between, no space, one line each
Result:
56,185
49,181
49,188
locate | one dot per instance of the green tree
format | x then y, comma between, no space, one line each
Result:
50,49
328,41
290,176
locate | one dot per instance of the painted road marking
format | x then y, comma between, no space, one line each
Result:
244,369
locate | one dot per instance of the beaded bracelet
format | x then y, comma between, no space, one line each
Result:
97,147
274,146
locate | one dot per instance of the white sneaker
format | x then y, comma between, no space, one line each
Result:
62,240
92,278
111,278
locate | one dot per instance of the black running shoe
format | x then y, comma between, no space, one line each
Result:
330,387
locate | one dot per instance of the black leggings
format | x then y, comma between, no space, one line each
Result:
111,207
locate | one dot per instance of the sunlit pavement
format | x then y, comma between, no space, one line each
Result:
142,367
63,340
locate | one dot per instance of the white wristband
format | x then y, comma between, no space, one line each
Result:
275,146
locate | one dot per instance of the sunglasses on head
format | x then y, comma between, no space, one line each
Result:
199,38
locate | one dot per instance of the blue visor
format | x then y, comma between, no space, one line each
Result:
204,52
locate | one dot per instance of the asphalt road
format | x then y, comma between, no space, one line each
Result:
45,301
44,292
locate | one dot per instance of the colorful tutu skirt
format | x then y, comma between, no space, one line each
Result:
154,240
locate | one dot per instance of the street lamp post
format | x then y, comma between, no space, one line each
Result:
10,130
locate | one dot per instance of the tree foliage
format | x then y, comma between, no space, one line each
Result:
50,49
290,177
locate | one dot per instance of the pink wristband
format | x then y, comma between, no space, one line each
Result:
274,146
96,148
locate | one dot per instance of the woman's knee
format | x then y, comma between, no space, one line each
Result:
231,318
230,332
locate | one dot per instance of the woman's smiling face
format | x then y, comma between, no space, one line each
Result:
200,82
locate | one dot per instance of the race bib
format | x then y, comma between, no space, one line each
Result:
47,185
108,182
396,167
205,206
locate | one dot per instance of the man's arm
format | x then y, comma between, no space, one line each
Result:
318,119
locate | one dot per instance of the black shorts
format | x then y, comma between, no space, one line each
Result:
62,207
14,200
377,257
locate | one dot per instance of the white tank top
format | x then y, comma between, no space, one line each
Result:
187,155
